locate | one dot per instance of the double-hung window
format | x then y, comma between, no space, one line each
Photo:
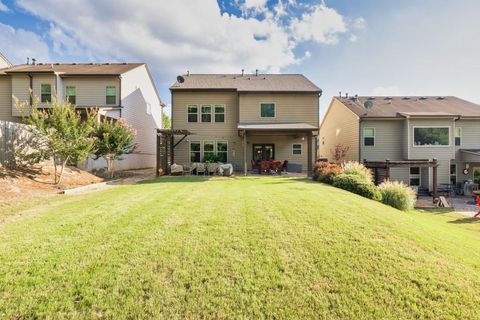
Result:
219,113
208,150
222,151
458,136
71,94
46,93
297,148
415,176
267,110
206,113
195,151
369,136
111,95
192,113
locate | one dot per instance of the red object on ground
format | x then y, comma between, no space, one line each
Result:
478,204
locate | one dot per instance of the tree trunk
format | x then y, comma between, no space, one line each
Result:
55,178
64,163
110,167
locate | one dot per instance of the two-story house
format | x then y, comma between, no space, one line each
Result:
404,129
245,118
113,89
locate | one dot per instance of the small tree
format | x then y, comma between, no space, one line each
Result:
339,153
58,132
166,121
113,138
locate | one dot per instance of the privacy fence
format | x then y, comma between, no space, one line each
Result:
13,138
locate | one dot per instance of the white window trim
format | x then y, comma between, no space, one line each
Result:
202,148
410,175
374,136
301,149
274,110
188,113
455,137
224,113
201,113
432,146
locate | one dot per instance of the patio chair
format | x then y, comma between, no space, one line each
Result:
200,168
276,166
187,170
255,166
284,166
211,168
264,166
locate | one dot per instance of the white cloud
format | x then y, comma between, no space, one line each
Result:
178,35
255,5
3,7
322,25
359,23
18,44
386,91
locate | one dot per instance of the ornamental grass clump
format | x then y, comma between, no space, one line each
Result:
398,195
358,185
326,172
358,169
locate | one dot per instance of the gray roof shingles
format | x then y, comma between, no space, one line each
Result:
74,68
396,107
247,83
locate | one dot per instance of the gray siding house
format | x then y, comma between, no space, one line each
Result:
407,128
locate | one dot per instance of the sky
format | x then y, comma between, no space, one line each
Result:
364,47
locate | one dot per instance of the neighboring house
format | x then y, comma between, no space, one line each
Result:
407,128
4,63
114,89
245,117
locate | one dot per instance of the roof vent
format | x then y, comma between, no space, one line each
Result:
368,104
73,64
441,98
57,64
406,98
423,98
243,71
388,98
91,63
40,64
124,63
107,63
371,98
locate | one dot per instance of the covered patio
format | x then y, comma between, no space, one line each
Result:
278,141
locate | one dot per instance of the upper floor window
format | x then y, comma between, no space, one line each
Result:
206,113
46,93
219,113
458,136
111,95
192,113
71,94
369,136
297,148
267,110
430,136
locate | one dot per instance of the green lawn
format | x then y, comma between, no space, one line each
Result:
236,248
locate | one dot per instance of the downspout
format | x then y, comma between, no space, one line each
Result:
360,140
120,94
31,88
317,140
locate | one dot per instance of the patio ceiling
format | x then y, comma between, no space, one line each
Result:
470,155
277,126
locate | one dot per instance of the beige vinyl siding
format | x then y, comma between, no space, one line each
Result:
339,126
223,131
289,107
92,91
6,99
470,140
20,90
388,140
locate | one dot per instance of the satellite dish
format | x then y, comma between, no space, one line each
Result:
368,104
180,79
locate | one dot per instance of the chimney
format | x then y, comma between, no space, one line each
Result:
346,95
339,94
34,61
188,72
28,60
256,72
243,71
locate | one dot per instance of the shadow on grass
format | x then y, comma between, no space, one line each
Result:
183,179
466,221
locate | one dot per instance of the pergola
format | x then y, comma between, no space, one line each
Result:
166,146
376,166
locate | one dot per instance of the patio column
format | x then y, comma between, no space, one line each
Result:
434,182
245,152
309,154
158,154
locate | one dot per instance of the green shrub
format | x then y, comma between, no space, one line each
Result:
398,195
326,172
358,185
357,168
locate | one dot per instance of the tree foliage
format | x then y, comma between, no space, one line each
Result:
166,121
113,138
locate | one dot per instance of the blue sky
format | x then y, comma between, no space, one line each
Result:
367,47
